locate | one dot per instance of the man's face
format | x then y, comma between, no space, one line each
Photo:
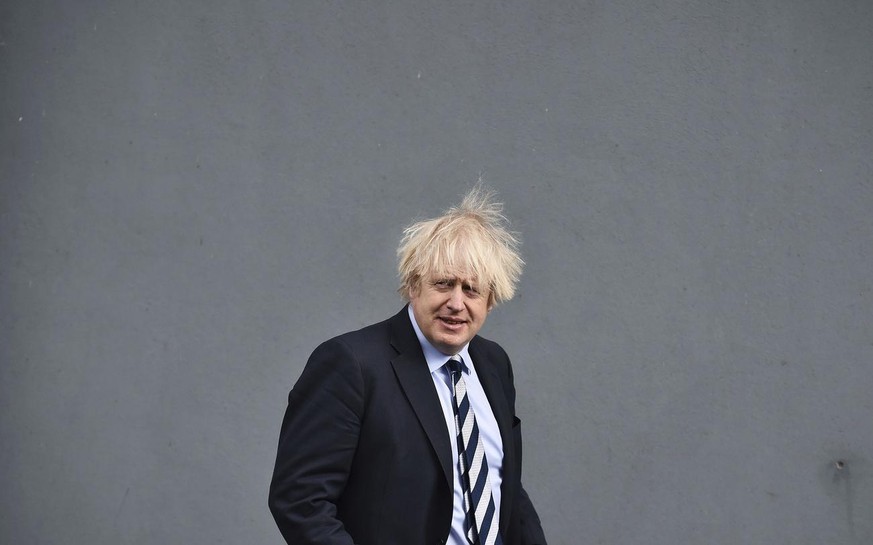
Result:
450,310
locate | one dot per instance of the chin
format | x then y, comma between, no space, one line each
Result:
450,349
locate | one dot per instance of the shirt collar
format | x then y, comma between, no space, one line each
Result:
435,358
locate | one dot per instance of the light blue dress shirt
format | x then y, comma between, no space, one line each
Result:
488,429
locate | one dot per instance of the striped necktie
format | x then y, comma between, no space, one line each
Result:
482,520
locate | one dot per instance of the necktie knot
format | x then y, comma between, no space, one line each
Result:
454,364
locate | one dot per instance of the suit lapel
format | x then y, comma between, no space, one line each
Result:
493,384
412,372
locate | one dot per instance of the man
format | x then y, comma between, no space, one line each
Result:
404,432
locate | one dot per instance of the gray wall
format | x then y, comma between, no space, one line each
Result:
195,194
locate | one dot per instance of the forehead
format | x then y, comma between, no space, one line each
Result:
459,275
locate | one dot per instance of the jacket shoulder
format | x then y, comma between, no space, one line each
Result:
375,341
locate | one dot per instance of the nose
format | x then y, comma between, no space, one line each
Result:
456,298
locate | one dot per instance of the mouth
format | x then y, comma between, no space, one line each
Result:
452,323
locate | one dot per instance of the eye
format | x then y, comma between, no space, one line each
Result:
442,284
471,290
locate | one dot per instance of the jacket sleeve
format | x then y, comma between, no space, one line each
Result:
317,444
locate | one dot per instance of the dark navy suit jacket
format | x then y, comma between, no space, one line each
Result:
364,455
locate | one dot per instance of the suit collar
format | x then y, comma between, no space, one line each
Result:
402,335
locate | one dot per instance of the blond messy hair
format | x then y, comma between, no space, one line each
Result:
471,239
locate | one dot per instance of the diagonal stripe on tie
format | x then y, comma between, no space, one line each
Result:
482,527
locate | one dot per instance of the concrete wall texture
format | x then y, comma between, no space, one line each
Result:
195,194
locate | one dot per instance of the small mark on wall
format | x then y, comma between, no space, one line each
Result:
838,481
